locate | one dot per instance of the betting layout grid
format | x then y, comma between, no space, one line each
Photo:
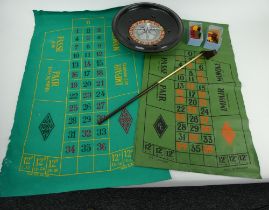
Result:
85,147
195,125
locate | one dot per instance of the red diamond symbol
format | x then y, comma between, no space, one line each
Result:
228,133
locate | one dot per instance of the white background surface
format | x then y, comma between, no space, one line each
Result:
249,31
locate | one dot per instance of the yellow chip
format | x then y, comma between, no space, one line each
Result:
195,27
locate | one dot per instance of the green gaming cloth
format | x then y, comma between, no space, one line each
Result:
76,72
196,120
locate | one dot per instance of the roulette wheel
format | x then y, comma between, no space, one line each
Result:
147,27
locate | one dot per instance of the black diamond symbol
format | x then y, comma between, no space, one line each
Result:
46,126
125,120
160,126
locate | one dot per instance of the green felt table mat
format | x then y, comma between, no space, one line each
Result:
196,120
76,71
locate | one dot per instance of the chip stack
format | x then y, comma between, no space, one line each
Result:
214,37
195,34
